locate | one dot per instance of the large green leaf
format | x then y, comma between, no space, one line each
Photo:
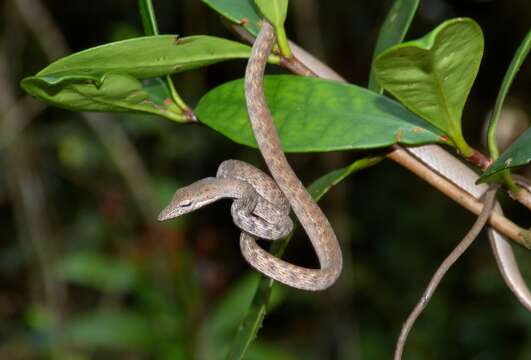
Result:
393,31
145,57
114,93
433,75
251,323
115,76
518,154
317,115
241,12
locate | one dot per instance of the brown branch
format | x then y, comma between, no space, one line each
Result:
523,195
463,245
497,221
292,64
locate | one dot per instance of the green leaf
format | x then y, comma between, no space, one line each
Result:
518,154
322,185
251,323
316,115
518,59
393,31
110,330
145,57
242,12
433,75
114,93
107,77
98,271
275,12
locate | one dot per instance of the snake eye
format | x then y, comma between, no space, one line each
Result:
185,203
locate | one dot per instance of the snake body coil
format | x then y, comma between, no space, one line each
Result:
311,217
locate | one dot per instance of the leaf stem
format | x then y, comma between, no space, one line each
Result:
516,63
147,13
518,59
149,22
283,44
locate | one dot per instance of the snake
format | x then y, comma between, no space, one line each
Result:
440,162
259,207
261,204
309,214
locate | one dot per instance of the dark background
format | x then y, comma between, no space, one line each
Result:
85,272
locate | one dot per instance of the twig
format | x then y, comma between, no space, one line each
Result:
497,221
523,195
463,245
293,64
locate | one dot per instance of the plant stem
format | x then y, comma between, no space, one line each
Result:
149,22
282,41
518,59
516,63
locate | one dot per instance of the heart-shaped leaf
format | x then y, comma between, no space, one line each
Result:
518,154
317,115
433,75
241,12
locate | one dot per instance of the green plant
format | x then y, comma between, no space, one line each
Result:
431,77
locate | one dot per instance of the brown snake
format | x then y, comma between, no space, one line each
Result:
261,204
311,217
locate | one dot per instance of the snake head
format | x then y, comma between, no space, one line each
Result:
188,199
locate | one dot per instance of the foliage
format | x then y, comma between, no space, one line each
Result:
135,289
316,115
433,75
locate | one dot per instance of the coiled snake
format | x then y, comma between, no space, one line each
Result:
260,208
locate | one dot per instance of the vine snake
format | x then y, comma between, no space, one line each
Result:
310,216
261,205
431,156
